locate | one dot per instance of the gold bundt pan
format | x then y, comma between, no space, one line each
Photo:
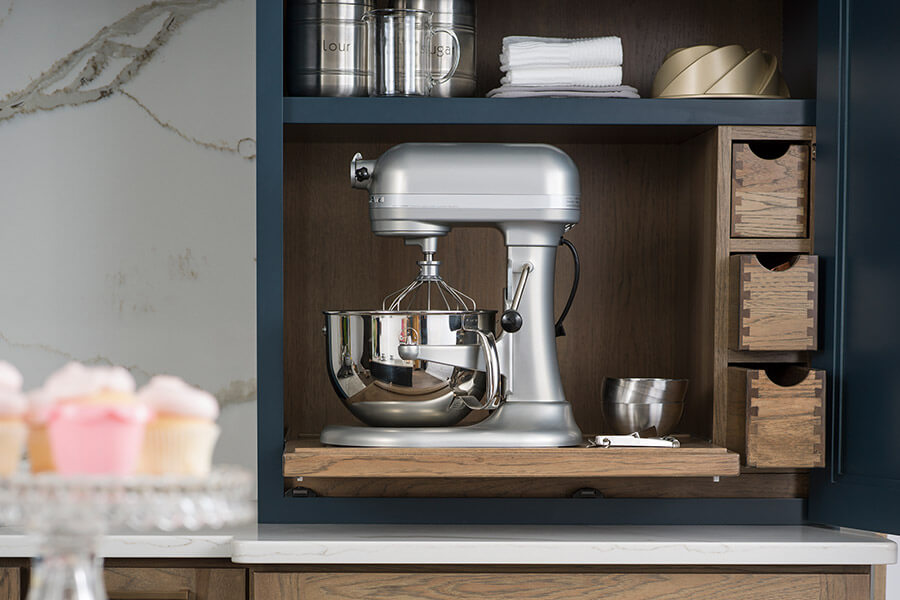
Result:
719,72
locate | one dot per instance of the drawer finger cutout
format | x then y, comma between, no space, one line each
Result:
784,415
770,190
774,306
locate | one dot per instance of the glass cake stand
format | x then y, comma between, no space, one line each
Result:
70,514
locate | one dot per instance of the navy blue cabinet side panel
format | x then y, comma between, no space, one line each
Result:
269,256
858,129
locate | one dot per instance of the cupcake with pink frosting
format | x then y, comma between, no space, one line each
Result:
181,438
95,424
12,418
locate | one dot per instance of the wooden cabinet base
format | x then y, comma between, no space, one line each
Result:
560,586
199,579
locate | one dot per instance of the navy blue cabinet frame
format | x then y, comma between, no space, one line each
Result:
856,211
830,497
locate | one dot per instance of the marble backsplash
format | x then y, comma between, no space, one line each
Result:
127,194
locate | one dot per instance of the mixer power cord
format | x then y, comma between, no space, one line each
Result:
560,330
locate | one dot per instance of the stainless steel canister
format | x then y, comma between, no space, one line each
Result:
459,16
325,47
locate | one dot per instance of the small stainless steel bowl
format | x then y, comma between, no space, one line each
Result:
635,404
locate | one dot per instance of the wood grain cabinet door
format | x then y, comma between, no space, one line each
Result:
155,583
559,586
10,583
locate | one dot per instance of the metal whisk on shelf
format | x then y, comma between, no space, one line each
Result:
429,281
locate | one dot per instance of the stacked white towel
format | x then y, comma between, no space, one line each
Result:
529,51
561,76
541,66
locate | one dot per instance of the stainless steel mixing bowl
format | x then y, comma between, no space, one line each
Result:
636,404
382,389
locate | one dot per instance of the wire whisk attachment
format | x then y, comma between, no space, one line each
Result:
430,288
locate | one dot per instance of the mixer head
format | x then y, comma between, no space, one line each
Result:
428,290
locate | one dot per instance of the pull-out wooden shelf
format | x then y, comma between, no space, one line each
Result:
306,457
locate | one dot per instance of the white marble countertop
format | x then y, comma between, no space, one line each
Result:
420,544
619,545
126,544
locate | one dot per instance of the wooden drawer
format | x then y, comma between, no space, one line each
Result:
777,418
164,583
559,586
10,583
773,307
770,190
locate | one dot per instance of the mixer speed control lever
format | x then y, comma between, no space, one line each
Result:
511,320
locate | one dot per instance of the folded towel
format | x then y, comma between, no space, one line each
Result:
560,76
524,51
537,91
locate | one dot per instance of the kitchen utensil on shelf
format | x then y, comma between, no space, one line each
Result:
325,47
419,192
719,72
399,52
643,439
458,16
637,404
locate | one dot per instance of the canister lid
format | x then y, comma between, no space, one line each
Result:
366,3
318,10
455,12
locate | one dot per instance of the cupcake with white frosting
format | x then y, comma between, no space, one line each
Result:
95,423
181,438
12,418
40,458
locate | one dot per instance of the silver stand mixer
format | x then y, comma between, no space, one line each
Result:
419,192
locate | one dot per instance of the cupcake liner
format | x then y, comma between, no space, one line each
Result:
39,455
12,443
181,447
95,445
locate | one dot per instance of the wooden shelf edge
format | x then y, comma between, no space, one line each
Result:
758,245
307,458
766,356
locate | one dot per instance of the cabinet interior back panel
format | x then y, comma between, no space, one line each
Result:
633,316
649,29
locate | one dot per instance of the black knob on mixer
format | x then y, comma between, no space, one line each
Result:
362,174
511,321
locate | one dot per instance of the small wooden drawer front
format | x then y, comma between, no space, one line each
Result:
785,420
770,196
773,309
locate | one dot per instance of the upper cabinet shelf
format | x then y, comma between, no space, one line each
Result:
548,111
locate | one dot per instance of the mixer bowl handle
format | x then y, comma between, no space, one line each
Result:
465,356
492,395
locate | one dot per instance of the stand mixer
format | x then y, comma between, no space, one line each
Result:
420,192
